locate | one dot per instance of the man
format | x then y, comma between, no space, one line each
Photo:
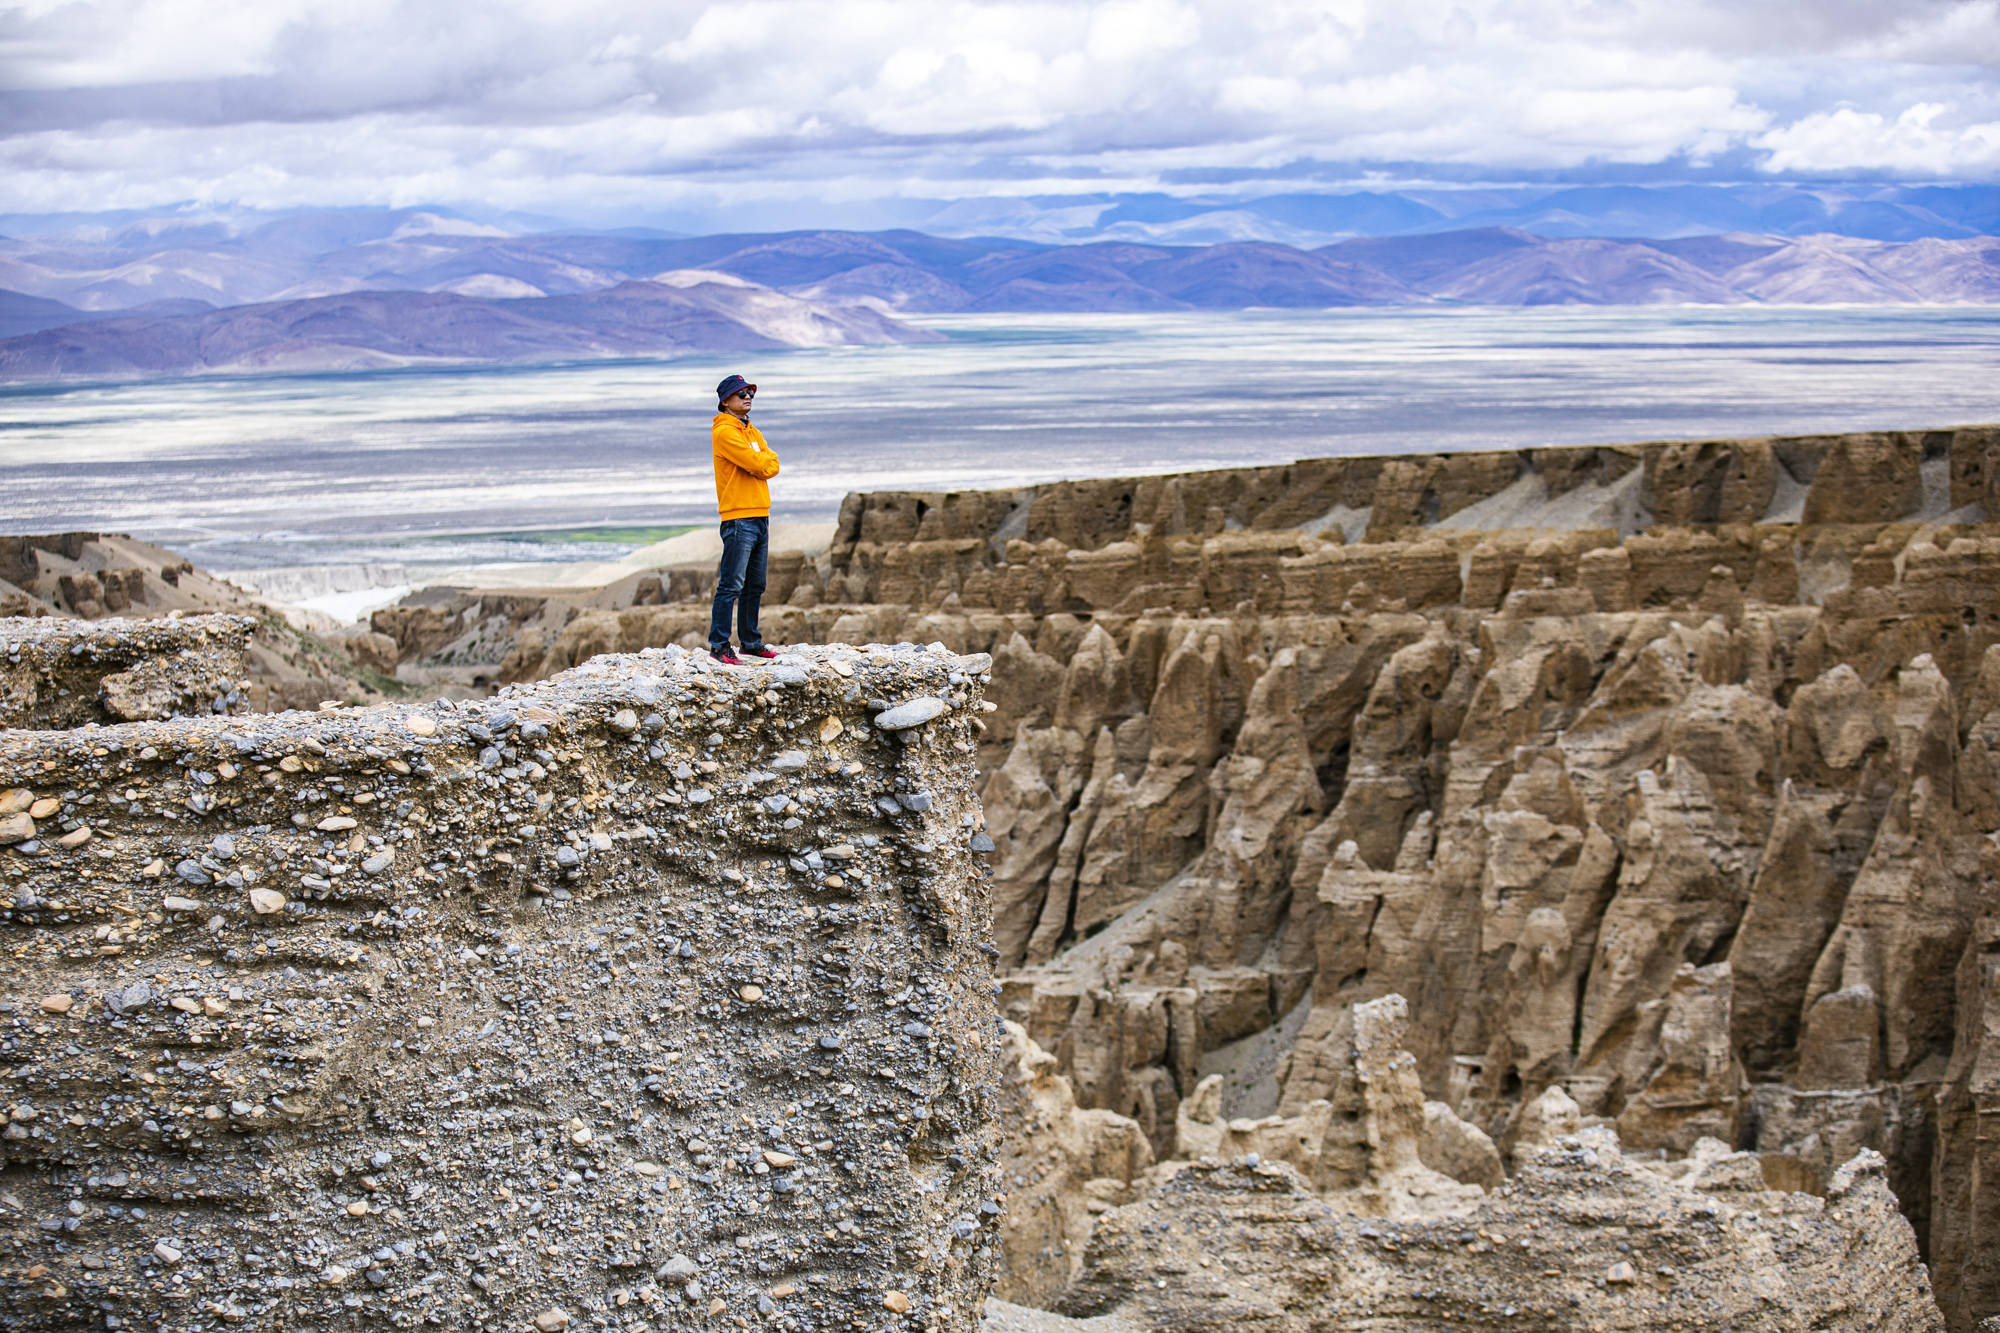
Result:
743,464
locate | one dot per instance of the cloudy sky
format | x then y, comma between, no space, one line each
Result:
630,110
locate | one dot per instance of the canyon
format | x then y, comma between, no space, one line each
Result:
1660,774
1543,888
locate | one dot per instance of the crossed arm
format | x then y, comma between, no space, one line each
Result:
738,448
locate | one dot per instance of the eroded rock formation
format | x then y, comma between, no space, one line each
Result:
106,578
1377,1209
1581,1238
60,672
1660,775
650,996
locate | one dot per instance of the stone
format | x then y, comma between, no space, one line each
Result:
419,725
896,1302
1545,1121
625,721
1462,1151
75,837
914,713
56,1004
336,824
15,799
551,1320
16,828
829,730
45,808
60,672
419,955
173,904
1246,770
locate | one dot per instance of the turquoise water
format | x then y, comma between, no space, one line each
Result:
453,465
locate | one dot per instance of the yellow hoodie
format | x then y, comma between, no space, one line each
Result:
743,462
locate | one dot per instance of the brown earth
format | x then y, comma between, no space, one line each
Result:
101,576
1662,774
1375,1209
1655,779
549,1011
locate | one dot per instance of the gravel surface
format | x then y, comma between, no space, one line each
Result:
643,997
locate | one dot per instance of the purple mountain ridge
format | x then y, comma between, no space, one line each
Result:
376,330
433,291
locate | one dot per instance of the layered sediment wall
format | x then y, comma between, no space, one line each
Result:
62,672
132,586
654,995
1658,774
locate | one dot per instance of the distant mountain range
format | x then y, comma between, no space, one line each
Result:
356,288
1655,212
684,312
1866,210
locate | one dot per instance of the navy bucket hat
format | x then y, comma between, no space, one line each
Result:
732,386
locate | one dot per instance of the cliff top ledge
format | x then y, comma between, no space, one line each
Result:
653,993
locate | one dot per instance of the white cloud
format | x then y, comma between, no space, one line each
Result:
520,103
1850,140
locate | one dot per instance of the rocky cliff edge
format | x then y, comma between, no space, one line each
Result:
655,995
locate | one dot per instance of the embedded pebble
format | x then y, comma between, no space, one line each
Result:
912,714
480,1020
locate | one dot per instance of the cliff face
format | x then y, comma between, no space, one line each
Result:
653,993
61,672
1660,774
104,577
1374,1208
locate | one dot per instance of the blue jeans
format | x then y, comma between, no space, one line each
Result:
739,584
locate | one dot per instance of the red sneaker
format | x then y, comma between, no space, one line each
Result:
726,657
759,651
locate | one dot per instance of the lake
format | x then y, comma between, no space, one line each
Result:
587,461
